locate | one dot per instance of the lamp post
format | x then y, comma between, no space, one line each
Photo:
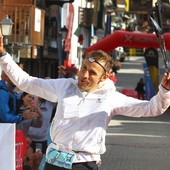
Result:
6,25
63,33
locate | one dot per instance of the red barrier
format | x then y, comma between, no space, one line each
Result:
128,39
130,92
20,147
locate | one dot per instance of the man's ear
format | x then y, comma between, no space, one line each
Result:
104,77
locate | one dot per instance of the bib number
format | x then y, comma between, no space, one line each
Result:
59,156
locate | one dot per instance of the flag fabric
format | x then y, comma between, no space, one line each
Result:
78,30
69,27
7,144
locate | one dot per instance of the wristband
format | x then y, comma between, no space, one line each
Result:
3,53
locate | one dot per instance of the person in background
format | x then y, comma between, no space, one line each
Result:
39,136
10,103
140,88
61,71
71,72
112,76
85,108
30,103
30,156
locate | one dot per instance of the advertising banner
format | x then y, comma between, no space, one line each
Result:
7,145
20,146
149,87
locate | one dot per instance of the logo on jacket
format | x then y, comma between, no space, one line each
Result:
99,100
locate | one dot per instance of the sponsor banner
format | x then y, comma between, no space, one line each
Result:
7,144
149,86
20,146
151,57
13,147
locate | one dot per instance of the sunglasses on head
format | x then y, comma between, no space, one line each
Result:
93,60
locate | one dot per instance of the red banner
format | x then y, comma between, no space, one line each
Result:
70,20
20,147
128,39
69,27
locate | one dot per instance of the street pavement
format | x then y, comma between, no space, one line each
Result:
136,143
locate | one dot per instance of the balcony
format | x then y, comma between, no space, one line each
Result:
28,29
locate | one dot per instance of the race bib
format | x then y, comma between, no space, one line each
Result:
60,155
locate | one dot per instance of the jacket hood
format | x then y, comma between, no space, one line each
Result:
104,87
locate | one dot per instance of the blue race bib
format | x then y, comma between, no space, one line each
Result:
59,155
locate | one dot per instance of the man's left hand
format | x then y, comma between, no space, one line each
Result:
166,81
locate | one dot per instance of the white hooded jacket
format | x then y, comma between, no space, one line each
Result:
82,118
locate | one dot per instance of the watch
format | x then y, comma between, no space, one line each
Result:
3,53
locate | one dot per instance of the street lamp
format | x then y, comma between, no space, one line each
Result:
58,2
6,25
64,32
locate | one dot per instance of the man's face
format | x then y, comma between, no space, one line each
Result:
90,75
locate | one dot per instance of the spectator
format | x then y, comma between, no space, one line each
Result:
140,89
61,71
40,135
71,72
30,103
31,156
112,76
10,103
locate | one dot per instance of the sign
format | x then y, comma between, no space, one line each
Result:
37,23
151,57
13,147
20,147
7,145
149,87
